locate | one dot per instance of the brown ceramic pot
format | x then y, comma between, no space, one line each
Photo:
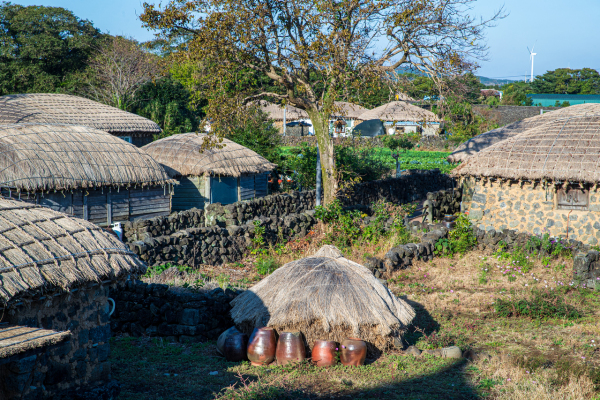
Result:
235,347
261,346
221,341
324,353
449,221
353,352
290,348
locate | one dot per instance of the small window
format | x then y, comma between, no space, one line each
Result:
572,198
126,138
400,129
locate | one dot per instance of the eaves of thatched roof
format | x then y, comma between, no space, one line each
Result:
51,108
62,157
187,154
400,111
42,250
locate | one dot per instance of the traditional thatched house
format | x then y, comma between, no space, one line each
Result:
81,171
50,108
214,175
55,275
326,297
542,180
276,113
401,117
484,140
345,117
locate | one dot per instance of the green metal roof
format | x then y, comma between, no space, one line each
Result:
548,100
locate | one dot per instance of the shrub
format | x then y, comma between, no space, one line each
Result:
539,305
265,265
460,240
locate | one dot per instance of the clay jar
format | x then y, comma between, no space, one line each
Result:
221,341
323,353
234,348
261,346
290,348
449,221
353,352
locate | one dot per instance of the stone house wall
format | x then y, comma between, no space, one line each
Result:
530,207
69,367
153,310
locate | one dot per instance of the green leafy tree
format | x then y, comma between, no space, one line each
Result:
568,81
258,133
42,49
312,49
515,94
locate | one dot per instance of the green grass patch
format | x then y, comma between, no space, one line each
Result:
540,305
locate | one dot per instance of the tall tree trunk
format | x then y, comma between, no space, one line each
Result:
321,126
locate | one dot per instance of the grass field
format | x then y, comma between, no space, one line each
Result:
545,356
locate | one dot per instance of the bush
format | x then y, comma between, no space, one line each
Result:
265,265
460,240
397,142
538,306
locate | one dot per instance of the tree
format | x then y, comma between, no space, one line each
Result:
257,133
568,81
42,48
515,94
313,49
119,68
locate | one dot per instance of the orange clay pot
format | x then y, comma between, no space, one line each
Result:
353,352
290,348
324,352
261,346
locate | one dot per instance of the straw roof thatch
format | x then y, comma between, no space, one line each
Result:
404,97
484,140
566,149
400,111
324,296
19,339
42,250
51,108
275,112
348,110
184,155
43,156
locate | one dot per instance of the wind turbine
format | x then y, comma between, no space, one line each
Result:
531,55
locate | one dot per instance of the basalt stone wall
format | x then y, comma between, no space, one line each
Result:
312,140
273,206
156,311
216,245
508,114
69,368
530,207
408,188
586,268
160,226
445,202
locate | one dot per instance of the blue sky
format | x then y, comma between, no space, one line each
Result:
564,31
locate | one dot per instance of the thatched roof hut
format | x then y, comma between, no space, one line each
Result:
404,97
566,149
484,140
52,108
63,157
325,296
64,166
400,111
347,110
42,251
275,111
210,175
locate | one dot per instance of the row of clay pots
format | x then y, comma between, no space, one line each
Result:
262,348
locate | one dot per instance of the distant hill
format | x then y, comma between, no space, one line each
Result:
490,81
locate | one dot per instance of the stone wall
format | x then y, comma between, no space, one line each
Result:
508,114
445,202
586,268
154,310
69,367
215,245
147,228
530,207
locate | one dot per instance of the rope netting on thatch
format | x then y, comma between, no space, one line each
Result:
566,149
42,250
484,140
43,157
325,296
186,154
50,108
400,111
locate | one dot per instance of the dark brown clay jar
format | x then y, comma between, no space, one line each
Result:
261,346
353,352
449,221
324,353
290,348
235,347
221,341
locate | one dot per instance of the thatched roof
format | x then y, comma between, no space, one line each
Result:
19,339
399,111
50,108
348,110
324,296
58,157
566,149
42,250
404,97
484,140
184,155
275,112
